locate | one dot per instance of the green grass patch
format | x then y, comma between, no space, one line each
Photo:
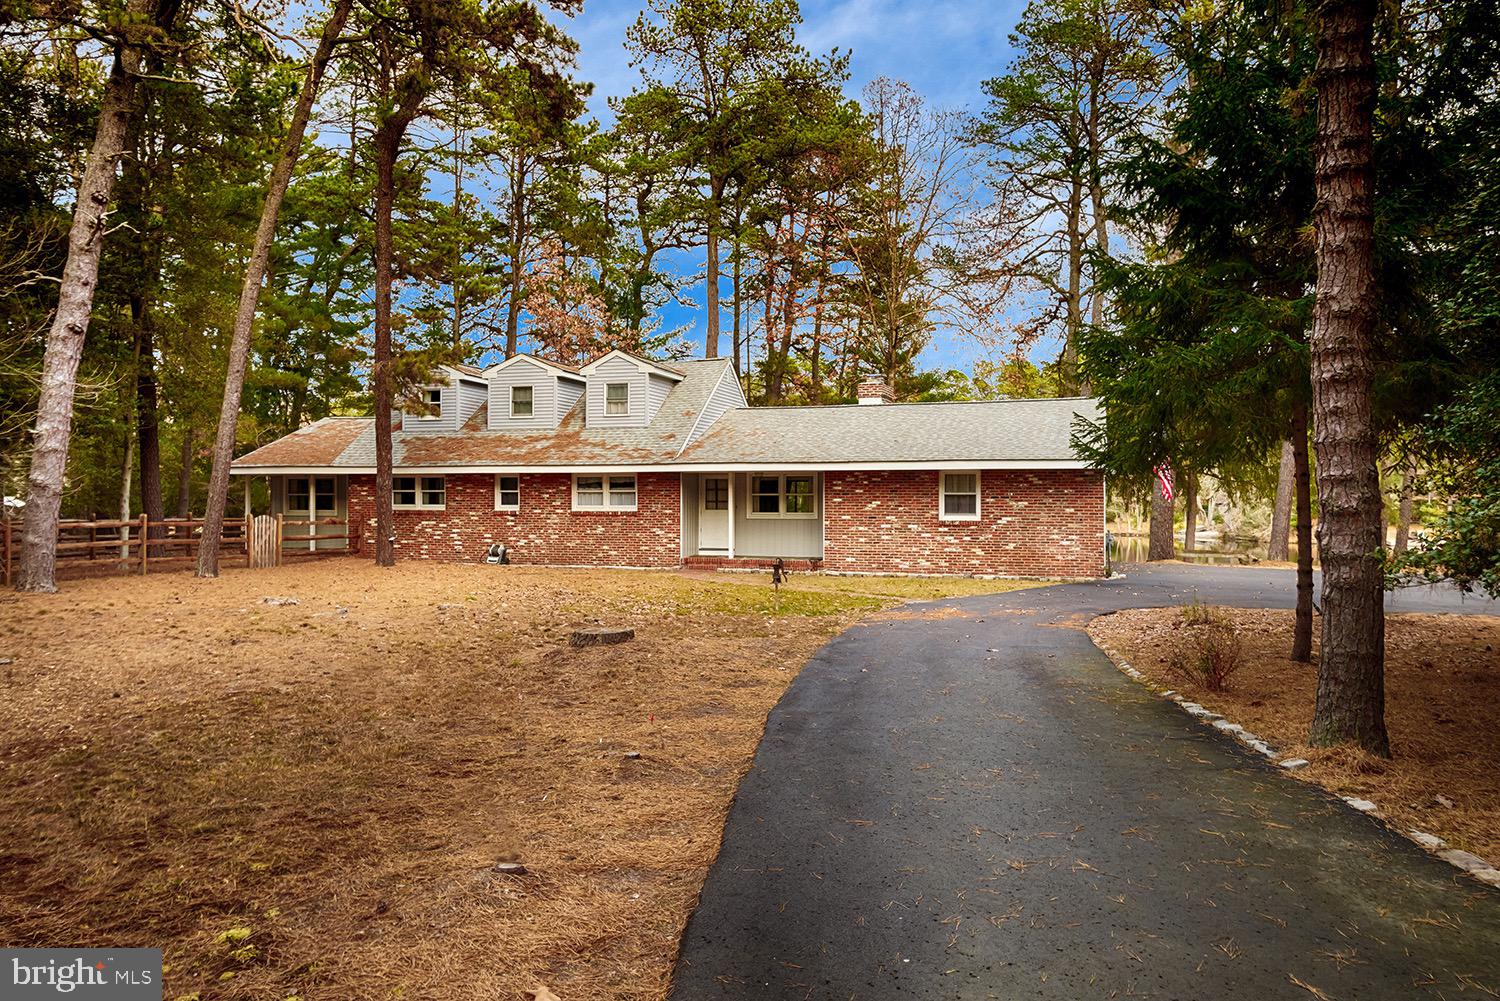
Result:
752,599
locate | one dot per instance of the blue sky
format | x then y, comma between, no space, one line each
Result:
943,49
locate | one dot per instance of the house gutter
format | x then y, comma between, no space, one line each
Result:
678,467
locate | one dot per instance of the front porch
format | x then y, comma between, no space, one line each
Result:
314,512
747,520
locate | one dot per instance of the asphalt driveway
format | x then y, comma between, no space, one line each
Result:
967,800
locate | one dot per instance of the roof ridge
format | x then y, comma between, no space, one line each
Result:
921,403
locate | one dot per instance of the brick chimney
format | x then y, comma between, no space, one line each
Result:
874,390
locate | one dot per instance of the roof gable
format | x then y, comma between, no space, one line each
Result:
640,362
523,359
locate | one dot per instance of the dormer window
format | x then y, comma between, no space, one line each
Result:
521,401
433,398
617,399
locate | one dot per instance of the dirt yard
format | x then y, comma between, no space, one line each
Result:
308,800
1442,687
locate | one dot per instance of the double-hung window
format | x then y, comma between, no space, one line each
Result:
298,493
418,492
765,495
432,405
507,492
790,496
616,399
615,492
958,496
521,401
325,496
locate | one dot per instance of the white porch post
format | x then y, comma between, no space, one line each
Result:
731,515
247,497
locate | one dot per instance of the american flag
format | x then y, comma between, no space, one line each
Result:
1164,475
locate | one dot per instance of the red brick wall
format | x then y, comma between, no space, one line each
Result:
546,530
1041,523
1033,523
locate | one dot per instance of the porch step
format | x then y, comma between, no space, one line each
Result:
800,564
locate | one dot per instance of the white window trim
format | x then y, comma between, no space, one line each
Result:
419,506
606,507
522,417
607,386
943,475
781,511
423,414
508,507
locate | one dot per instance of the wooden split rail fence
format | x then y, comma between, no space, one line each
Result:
136,544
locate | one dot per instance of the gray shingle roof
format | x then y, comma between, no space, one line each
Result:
570,444
1005,431
999,431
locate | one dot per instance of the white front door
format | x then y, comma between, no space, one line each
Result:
713,515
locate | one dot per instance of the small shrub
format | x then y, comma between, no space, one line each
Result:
1212,651
1196,613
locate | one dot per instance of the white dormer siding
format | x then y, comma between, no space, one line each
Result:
645,389
553,393
569,391
727,395
617,371
472,394
458,398
418,418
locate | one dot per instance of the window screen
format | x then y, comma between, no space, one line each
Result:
508,492
960,494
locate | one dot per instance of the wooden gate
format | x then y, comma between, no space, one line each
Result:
265,540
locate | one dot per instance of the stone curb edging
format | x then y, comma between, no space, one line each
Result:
1481,869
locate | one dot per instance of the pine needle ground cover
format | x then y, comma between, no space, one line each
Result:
309,797
1442,685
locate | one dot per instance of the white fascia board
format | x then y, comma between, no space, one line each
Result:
667,467
561,373
641,365
812,467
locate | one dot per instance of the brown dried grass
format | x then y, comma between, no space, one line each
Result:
1442,687
337,779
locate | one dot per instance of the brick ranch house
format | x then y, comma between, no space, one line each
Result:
630,462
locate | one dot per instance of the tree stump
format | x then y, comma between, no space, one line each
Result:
600,636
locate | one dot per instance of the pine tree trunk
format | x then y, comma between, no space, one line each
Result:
1281,511
770,312
1351,527
711,271
255,272
185,475
387,145
458,252
517,259
37,570
148,424
1074,305
1101,225
1162,512
738,334
1404,512
1189,513
1302,489
125,473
